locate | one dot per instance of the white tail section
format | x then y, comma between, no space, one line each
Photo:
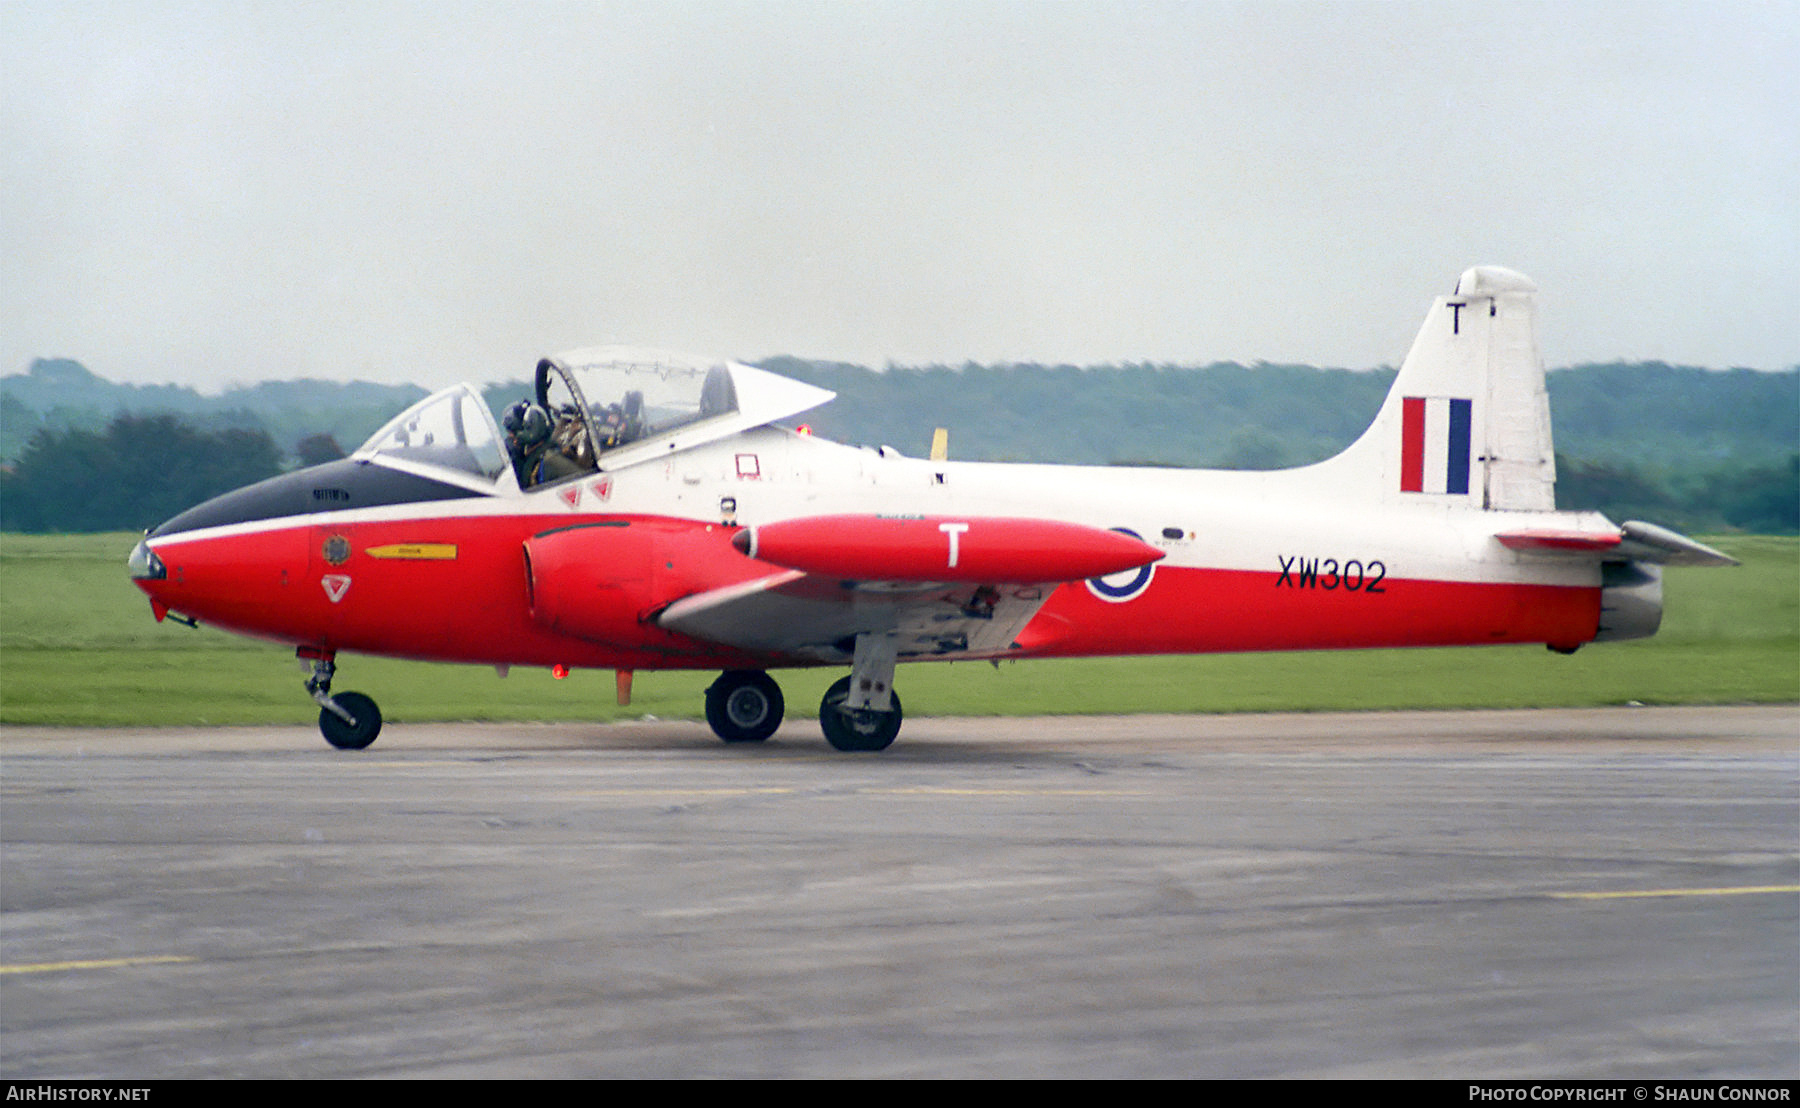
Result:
1467,422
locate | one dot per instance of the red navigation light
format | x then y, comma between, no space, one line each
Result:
559,671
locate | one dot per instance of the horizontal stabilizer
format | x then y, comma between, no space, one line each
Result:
1646,542
1635,541
976,550
1577,542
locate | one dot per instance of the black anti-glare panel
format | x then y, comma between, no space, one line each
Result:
331,487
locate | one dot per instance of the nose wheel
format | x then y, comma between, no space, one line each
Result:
349,721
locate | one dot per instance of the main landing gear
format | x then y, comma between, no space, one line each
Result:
857,729
349,721
860,712
744,706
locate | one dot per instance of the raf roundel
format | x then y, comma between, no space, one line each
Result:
1117,588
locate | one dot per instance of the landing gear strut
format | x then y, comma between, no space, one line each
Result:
744,706
861,712
349,721
857,729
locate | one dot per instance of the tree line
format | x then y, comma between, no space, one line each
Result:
132,474
1695,449
140,470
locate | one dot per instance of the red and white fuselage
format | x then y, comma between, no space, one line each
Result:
721,539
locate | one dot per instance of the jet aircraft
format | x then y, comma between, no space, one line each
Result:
687,525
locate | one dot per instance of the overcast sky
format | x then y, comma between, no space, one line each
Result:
429,192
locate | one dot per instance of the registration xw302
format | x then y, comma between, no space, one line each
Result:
1352,575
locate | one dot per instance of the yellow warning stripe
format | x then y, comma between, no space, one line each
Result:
415,551
1737,890
94,963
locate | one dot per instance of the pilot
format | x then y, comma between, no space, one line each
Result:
535,460
610,426
618,424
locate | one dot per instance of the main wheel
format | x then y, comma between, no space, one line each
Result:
744,706
351,736
856,730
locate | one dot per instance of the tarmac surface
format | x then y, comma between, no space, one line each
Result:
1555,894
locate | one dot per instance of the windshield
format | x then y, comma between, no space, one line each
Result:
449,430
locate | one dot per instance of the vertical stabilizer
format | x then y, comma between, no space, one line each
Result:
1467,422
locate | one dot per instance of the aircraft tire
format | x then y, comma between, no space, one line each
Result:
744,706
346,736
856,732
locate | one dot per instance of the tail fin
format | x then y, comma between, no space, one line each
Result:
1467,422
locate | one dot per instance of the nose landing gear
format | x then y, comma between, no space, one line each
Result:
349,721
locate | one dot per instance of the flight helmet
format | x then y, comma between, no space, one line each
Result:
526,423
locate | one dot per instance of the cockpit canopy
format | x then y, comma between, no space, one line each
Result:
635,395
610,407
634,403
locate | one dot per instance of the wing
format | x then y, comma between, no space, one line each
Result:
939,585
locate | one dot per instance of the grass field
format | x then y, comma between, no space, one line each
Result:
78,646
